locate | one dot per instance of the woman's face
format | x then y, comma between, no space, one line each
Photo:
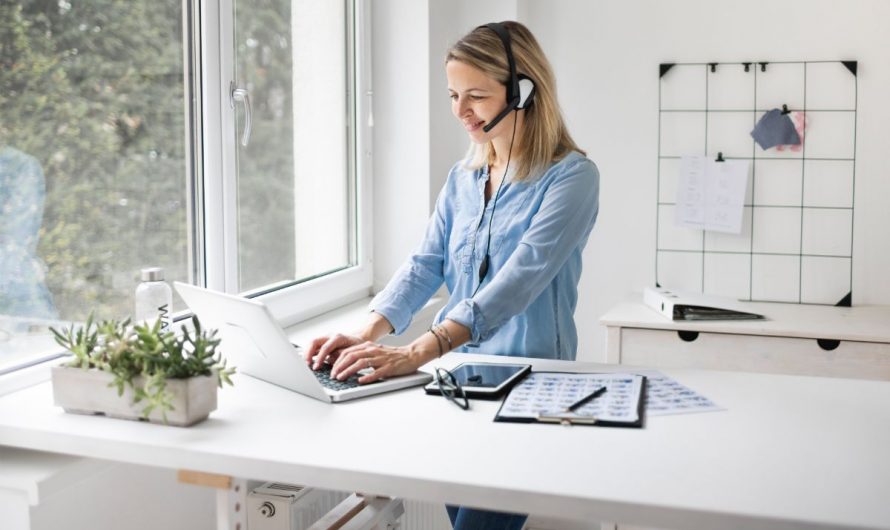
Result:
476,99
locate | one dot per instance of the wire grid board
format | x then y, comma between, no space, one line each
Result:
796,243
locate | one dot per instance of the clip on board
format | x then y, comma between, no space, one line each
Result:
598,399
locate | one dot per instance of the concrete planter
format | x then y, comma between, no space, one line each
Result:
87,392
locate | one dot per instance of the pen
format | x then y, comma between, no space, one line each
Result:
598,392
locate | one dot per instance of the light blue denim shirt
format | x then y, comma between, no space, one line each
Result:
526,304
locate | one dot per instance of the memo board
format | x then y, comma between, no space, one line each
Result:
796,243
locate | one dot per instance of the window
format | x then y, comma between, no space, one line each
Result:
123,144
293,176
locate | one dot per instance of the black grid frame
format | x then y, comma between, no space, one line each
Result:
818,268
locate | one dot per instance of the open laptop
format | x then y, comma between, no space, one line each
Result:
253,341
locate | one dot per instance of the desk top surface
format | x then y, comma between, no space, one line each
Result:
869,323
788,451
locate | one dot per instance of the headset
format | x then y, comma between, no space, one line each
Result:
520,88
520,95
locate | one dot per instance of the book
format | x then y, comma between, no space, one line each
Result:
676,305
598,399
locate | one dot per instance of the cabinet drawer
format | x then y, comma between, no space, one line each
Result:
755,353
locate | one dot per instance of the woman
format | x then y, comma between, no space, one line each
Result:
506,236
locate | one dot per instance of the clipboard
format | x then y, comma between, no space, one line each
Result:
544,397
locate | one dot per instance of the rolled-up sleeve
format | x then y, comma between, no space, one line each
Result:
560,227
418,278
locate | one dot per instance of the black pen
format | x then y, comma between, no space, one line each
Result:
598,392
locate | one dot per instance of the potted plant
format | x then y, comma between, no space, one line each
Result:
139,372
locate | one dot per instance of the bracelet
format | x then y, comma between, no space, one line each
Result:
444,331
438,342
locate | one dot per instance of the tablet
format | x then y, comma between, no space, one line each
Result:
484,380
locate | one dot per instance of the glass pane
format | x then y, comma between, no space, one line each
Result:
293,177
93,159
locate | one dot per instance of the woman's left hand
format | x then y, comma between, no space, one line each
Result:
386,361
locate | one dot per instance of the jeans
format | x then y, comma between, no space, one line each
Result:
463,518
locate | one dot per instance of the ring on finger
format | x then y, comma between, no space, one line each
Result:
367,362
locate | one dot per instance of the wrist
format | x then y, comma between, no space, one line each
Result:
377,328
367,333
424,349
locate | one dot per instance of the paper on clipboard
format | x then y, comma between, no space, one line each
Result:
550,393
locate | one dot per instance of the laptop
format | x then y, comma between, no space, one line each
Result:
253,341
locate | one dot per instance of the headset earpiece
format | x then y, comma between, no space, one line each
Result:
526,92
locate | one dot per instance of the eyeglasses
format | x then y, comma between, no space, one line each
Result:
451,389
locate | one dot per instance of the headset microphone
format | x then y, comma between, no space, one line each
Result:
520,101
511,106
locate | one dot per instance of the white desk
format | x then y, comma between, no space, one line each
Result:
789,452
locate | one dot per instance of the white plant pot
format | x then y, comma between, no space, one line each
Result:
88,392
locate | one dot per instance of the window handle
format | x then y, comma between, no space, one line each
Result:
243,96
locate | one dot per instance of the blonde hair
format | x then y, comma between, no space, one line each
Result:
544,138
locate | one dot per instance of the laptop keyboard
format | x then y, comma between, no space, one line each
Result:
323,375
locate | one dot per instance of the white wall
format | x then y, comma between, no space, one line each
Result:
605,54
400,62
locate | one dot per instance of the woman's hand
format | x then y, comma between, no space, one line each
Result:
385,361
351,353
328,348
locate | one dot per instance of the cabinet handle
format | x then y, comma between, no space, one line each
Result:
687,336
828,344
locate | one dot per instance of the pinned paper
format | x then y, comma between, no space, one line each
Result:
711,194
775,128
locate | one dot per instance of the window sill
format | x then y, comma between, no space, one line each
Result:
28,376
350,317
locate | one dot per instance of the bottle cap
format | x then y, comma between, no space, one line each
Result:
152,274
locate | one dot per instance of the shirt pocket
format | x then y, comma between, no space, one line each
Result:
460,242
512,222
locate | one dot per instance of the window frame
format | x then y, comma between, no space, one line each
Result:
217,258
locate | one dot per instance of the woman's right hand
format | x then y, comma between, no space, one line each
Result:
328,348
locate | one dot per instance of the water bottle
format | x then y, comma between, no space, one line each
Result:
154,299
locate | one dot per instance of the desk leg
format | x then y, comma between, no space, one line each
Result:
231,506
231,497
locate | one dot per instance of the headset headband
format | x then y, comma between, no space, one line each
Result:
513,85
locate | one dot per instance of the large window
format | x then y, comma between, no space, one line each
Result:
124,144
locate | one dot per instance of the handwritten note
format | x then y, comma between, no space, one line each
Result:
711,195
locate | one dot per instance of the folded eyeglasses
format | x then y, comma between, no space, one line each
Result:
451,389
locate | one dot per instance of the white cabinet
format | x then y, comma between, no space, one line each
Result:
849,342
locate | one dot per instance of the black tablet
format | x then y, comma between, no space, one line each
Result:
484,380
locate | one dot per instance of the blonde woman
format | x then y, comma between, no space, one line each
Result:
506,235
